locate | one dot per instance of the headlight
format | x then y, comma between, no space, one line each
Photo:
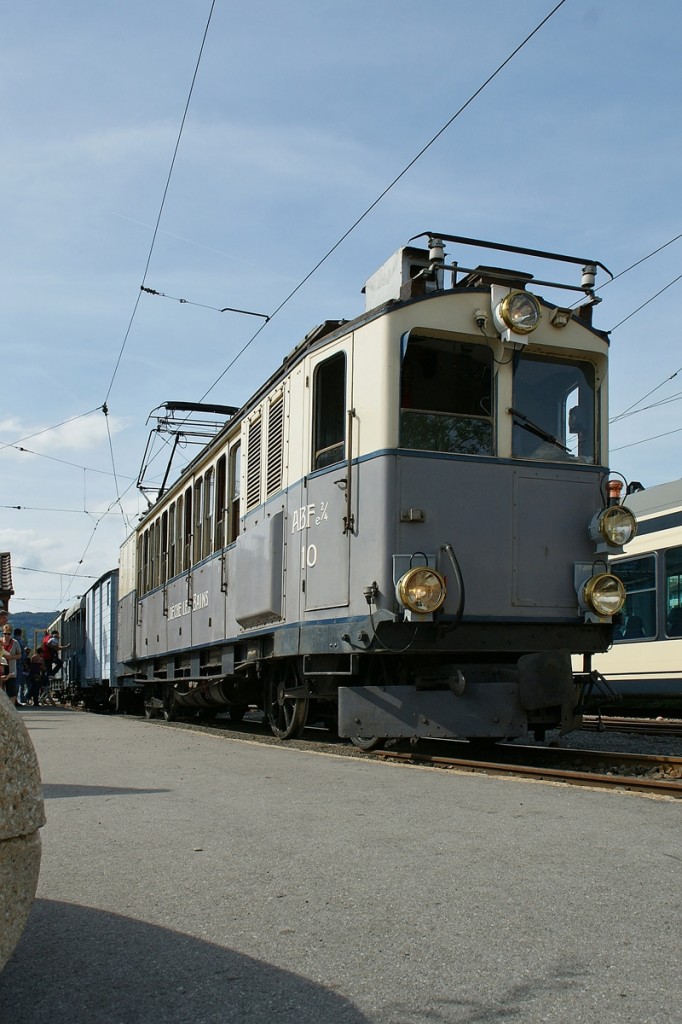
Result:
520,311
615,524
605,594
421,590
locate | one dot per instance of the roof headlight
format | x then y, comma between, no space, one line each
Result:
616,525
520,311
604,594
421,590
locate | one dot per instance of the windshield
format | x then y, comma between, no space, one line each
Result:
553,409
446,397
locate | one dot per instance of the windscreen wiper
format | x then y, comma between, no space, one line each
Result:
533,428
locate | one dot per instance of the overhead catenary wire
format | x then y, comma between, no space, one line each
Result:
659,292
46,430
644,440
65,462
51,572
74,511
203,305
126,523
635,409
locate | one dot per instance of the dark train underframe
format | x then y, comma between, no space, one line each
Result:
403,664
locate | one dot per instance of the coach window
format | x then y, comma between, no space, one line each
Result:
171,541
187,531
446,398
638,618
220,500
154,550
147,559
553,409
157,552
142,564
673,592
234,484
209,498
329,412
151,574
164,547
198,519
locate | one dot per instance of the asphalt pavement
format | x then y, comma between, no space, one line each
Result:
188,877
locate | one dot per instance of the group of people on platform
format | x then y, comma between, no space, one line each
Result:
26,674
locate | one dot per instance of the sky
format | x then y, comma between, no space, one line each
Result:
299,117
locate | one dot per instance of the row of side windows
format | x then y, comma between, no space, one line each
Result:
205,517
201,520
653,586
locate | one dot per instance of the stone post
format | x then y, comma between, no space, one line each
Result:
21,815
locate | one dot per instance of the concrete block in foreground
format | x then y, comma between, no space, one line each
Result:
21,815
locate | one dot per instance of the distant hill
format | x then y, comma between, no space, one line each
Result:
31,622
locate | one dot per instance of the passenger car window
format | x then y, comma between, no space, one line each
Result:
638,618
673,592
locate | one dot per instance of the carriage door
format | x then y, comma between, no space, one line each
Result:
325,517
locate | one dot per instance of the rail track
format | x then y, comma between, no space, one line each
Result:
648,774
645,773
647,726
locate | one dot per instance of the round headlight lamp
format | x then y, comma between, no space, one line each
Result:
421,590
616,525
604,594
520,311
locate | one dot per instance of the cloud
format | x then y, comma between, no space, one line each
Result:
80,434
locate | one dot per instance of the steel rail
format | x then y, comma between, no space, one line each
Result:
610,723
576,778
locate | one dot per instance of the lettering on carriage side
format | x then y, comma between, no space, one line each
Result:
308,556
176,611
309,515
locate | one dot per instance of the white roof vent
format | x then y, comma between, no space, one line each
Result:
400,278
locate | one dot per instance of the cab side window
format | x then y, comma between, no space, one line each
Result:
329,412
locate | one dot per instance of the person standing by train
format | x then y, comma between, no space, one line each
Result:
22,666
51,651
35,675
12,653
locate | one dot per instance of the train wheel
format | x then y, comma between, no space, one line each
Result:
368,742
169,706
287,715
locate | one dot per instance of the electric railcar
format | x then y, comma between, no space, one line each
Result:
645,662
405,530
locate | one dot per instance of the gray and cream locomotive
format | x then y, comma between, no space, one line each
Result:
405,530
